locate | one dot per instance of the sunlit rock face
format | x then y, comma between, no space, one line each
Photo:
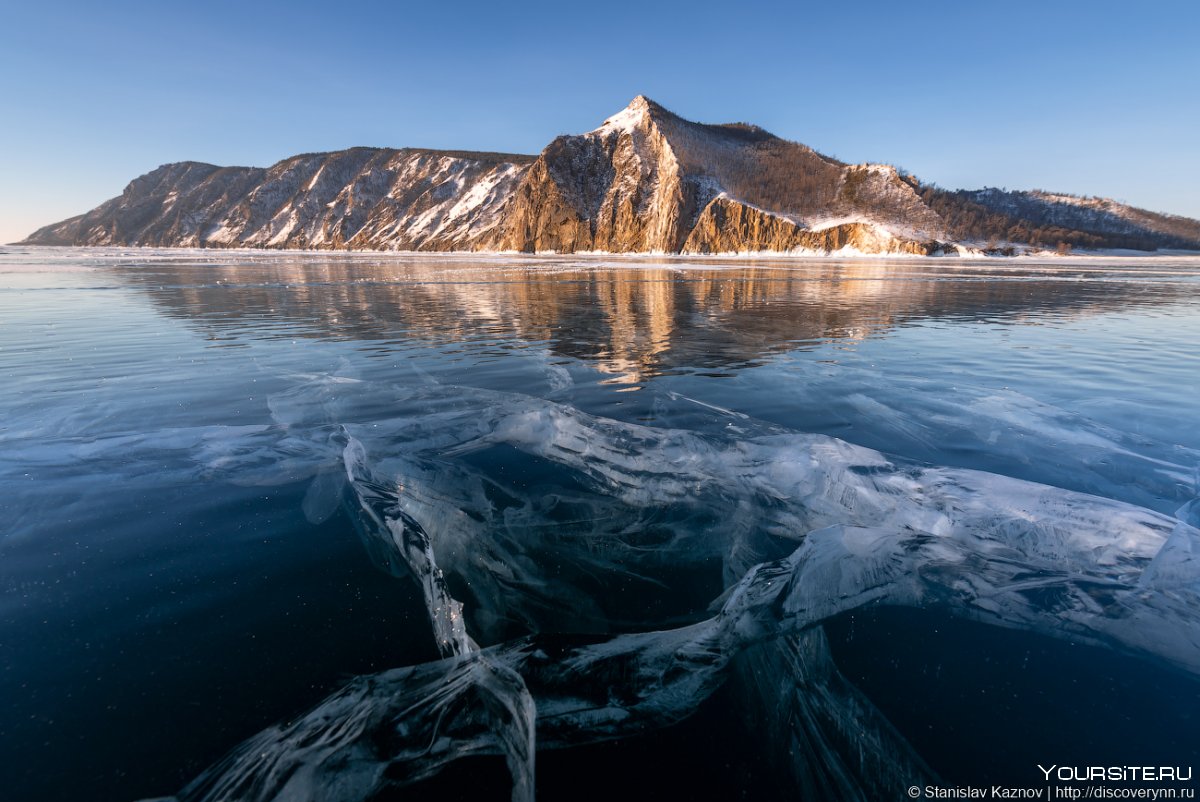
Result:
645,181
727,225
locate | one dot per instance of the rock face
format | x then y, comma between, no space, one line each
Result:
726,225
646,181
619,188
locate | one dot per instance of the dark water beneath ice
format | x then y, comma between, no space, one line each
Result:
180,565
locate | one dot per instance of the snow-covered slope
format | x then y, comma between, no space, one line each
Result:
358,198
646,180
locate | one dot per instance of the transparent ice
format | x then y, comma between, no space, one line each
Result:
538,651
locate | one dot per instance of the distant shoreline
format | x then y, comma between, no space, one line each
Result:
975,256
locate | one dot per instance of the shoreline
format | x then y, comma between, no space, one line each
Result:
974,257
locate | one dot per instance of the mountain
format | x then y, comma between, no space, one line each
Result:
1044,219
369,198
645,181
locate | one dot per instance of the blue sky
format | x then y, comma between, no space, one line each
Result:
1087,97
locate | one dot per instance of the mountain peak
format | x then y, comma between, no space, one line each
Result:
631,116
642,103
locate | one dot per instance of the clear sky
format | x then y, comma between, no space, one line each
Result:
1092,97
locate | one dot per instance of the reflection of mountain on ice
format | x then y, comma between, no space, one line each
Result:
717,544
643,321
636,319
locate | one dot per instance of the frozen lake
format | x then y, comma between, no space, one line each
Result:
748,526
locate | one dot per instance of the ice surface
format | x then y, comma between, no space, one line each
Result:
801,528
393,728
817,727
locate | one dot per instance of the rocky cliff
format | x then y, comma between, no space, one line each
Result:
645,181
